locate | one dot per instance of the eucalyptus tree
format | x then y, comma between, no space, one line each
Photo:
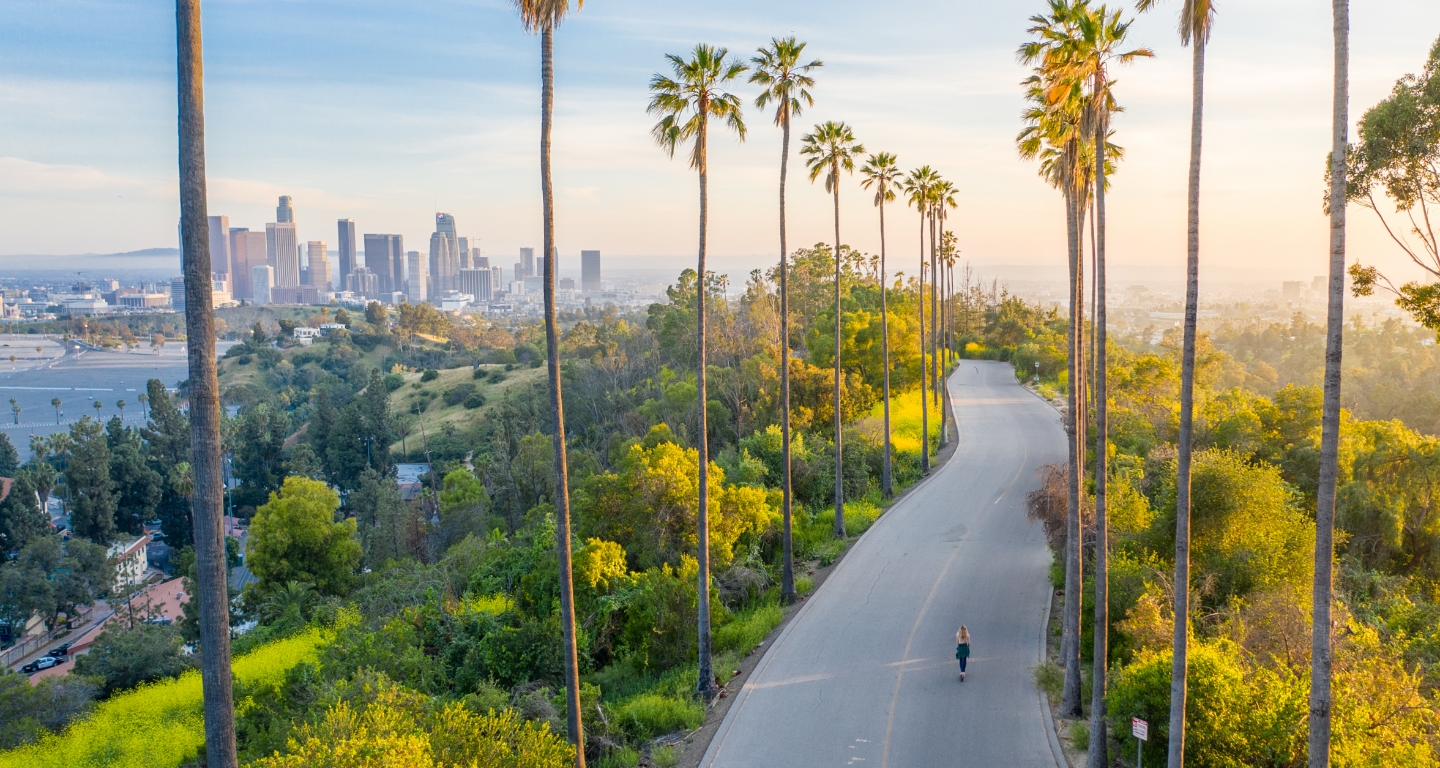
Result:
830,149
1320,639
1098,35
543,16
787,82
1053,135
685,104
882,174
210,564
919,187
1197,18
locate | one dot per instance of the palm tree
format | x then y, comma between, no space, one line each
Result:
919,185
121,405
944,197
1320,650
544,16
97,405
787,82
204,397
15,407
55,403
883,175
685,104
144,403
1197,18
832,148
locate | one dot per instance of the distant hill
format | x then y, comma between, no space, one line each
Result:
146,264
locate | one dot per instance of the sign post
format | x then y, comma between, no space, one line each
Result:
1140,729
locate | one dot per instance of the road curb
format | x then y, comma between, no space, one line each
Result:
1055,749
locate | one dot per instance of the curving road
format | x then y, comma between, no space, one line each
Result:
865,674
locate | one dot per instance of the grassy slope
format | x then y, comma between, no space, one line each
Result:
434,419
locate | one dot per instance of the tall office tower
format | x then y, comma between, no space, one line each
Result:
385,256
247,251
362,282
177,294
319,265
590,271
519,271
347,249
282,251
262,279
464,253
445,225
539,268
476,282
444,264
496,281
527,263
416,280
285,212
479,262
220,245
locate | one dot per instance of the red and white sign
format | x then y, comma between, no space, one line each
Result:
1139,729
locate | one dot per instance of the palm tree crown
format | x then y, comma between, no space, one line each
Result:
882,174
539,15
830,149
786,81
686,102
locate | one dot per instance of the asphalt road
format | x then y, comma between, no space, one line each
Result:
865,674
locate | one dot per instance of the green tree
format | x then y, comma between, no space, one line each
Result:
260,453
830,149
87,476
919,186
21,519
382,517
9,459
31,710
375,315
787,82
167,443
138,488
294,537
126,655
685,105
882,174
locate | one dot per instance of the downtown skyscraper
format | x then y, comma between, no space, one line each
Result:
385,256
345,244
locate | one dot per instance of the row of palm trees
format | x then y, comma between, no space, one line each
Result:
1068,130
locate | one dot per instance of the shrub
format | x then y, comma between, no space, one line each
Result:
126,656
430,374
457,394
651,714
393,381
245,360
479,374
474,400
497,376
748,628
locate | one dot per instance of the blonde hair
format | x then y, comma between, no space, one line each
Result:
963,636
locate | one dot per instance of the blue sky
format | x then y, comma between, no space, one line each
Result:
387,111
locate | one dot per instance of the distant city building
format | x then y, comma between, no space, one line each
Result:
454,300
416,281
464,253
444,264
479,262
527,263
363,282
262,280
247,251
346,244
534,284
566,284
319,265
143,300
177,294
517,288
590,271
497,280
282,251
220,293
385,256
476,282
296,294
519,273
220,245
1294,290
285,212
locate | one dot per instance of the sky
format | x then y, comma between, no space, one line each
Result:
386,112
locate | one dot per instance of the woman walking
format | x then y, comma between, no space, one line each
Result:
962,649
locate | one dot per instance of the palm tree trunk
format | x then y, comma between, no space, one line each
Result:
788,594
938,316
924,404
887,487
935,321
1070,703
557,406
1320,645
215,675
1099,753
1179,671
705,686
839,465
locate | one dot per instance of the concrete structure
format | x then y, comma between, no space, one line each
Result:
306,335
464,252
476,282
319,265
282,251
285,212
131,560
85,306
262,280
294,294
220,245
479,262
590,272
527,263
385,256
247,251
143,300
497,281
363,282
444,264
177,294
346,245
416,281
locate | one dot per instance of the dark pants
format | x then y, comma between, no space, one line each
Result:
962,663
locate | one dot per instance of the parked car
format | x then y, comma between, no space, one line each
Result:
161,620
44,662
61,651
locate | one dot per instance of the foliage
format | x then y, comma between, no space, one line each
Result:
295,538
29,711
129,653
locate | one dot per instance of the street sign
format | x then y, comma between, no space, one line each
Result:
1139,729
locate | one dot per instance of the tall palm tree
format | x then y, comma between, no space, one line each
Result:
830,149
786,82
543,16
882,174
210,571
1053,134
1089,52
944,197
1320,650
919,186
685,104
1197,18
55,403
15,407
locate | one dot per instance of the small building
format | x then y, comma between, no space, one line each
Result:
131,558
306,335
